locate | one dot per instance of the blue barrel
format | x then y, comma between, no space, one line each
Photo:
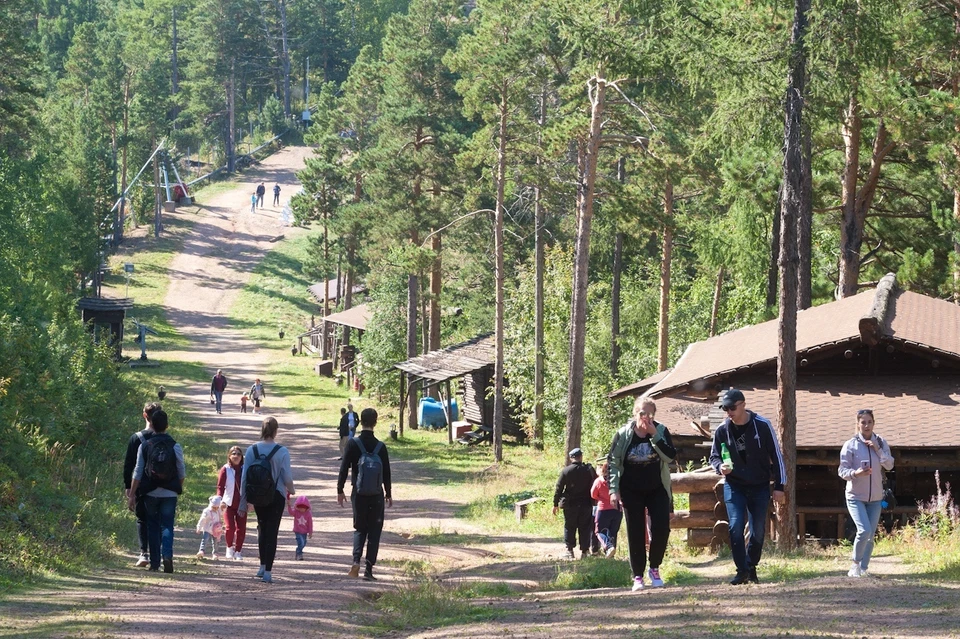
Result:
430,413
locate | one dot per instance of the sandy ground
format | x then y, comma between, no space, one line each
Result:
315,598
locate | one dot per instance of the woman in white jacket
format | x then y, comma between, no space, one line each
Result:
228,487
862,462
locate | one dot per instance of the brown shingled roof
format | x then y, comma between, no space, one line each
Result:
925,321
910,410
454,361
355,317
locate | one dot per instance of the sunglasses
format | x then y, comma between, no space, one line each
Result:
728,409
865,411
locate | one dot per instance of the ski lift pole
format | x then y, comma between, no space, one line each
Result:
166,178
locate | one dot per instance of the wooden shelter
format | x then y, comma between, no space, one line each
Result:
889,350
104,318
472,361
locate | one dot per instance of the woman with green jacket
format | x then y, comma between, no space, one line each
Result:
639,459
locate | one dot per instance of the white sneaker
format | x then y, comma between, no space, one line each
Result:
200,555
611,551
864,573
655,579
230,553
238,555
216,557
637,584
855,570
142,561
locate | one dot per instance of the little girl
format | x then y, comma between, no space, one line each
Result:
229,480
608,516
210,526
302,522
243,403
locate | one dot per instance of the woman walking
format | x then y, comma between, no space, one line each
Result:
266,461
862,462
639,459
228,488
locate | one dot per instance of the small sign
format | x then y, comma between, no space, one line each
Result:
128,267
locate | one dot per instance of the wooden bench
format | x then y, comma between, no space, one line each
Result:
520,507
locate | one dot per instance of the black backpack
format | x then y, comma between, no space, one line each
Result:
260,482
369,470
160,464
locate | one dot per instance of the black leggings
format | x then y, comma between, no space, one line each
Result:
635,509
268,528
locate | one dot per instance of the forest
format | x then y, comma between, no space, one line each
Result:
598,181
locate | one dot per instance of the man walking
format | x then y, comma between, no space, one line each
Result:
159,475
261,191
129,463
745,451
573,495
369,465
350,420
276,195
217,386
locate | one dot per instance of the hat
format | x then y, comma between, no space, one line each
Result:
215,501
731,397
576,452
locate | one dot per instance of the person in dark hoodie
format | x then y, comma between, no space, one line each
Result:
749,442
573,490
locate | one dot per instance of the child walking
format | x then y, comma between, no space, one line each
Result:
302,522
210,526
609,517
228,487
243,403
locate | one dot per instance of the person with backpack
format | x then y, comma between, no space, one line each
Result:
159,475
267,478
368,463
217,386
129,463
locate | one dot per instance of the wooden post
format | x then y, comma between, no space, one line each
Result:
403,399
448,411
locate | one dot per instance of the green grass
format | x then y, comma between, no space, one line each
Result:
931,556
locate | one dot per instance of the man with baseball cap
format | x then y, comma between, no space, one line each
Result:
573,495
745,451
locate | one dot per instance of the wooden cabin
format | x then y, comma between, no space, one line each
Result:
889,350
472,363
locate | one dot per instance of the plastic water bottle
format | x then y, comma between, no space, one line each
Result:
725,455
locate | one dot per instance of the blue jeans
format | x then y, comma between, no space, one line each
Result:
746,503
301,541
866,517
213,542
160,512
219,396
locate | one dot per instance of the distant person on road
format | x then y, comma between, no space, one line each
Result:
639,458
217,385
276,195
244,398
609,517
351,419
343,431
368,463
572,494
261,191
862,462
748,441
257,395
229,480
253,202
267,478
129,463
159,474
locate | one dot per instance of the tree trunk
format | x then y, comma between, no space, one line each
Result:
851,233
539,220
284,57
792,206
231,143
615,290
597,87
348,292
436,283
805,226
666,257
121,212
715,311
499,278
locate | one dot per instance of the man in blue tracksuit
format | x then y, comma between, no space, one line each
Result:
755,460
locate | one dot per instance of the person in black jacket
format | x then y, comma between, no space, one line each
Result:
755,460
129,462
573,490
368,509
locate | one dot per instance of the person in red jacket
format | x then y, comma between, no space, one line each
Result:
609,516
228,488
